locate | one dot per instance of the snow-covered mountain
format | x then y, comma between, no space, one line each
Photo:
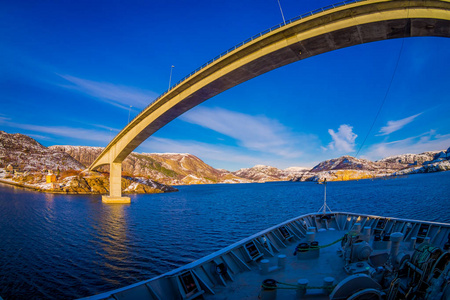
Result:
24,153
26,163
351,168
410,158
262,173
347,163
167,168
440,161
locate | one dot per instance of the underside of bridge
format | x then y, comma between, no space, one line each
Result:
335,28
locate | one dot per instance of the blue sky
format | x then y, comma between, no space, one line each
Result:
70,70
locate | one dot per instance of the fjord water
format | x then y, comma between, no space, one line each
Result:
65,247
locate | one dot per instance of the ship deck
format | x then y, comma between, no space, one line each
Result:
247,285
238,271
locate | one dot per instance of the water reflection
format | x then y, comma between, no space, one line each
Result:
49,213
113,229
112,239
49,197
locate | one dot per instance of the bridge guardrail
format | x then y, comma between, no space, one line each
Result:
308,14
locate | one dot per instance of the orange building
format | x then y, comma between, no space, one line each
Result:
50,177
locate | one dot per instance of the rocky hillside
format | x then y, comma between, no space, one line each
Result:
440,161
410,159
81,182
167,168
180,169
261,173
437,166
351,168
24,153
24,162
351,163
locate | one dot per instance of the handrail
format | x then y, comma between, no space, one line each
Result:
308,14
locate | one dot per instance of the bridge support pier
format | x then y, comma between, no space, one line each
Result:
115,185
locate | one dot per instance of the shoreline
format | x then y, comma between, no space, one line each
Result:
36,189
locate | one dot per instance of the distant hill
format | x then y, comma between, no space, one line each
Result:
407,159
24,154
167,168
26,163
351,168
351,163
261,173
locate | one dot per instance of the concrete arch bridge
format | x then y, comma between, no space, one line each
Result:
337,26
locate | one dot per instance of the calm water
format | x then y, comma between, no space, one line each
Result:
64,247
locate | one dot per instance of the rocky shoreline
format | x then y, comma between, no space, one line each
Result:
96,184
27,164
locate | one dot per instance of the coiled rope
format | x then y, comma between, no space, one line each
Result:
297,249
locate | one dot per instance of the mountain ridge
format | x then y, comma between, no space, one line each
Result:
27,155
167,168
26,163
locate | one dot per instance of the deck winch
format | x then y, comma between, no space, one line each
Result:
381,267
356,251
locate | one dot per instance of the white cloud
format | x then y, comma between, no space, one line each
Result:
40,137
393,126
343,139
256,133
115,130
219,156
118,95
428,141
64,131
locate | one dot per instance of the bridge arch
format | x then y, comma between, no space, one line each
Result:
338,26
